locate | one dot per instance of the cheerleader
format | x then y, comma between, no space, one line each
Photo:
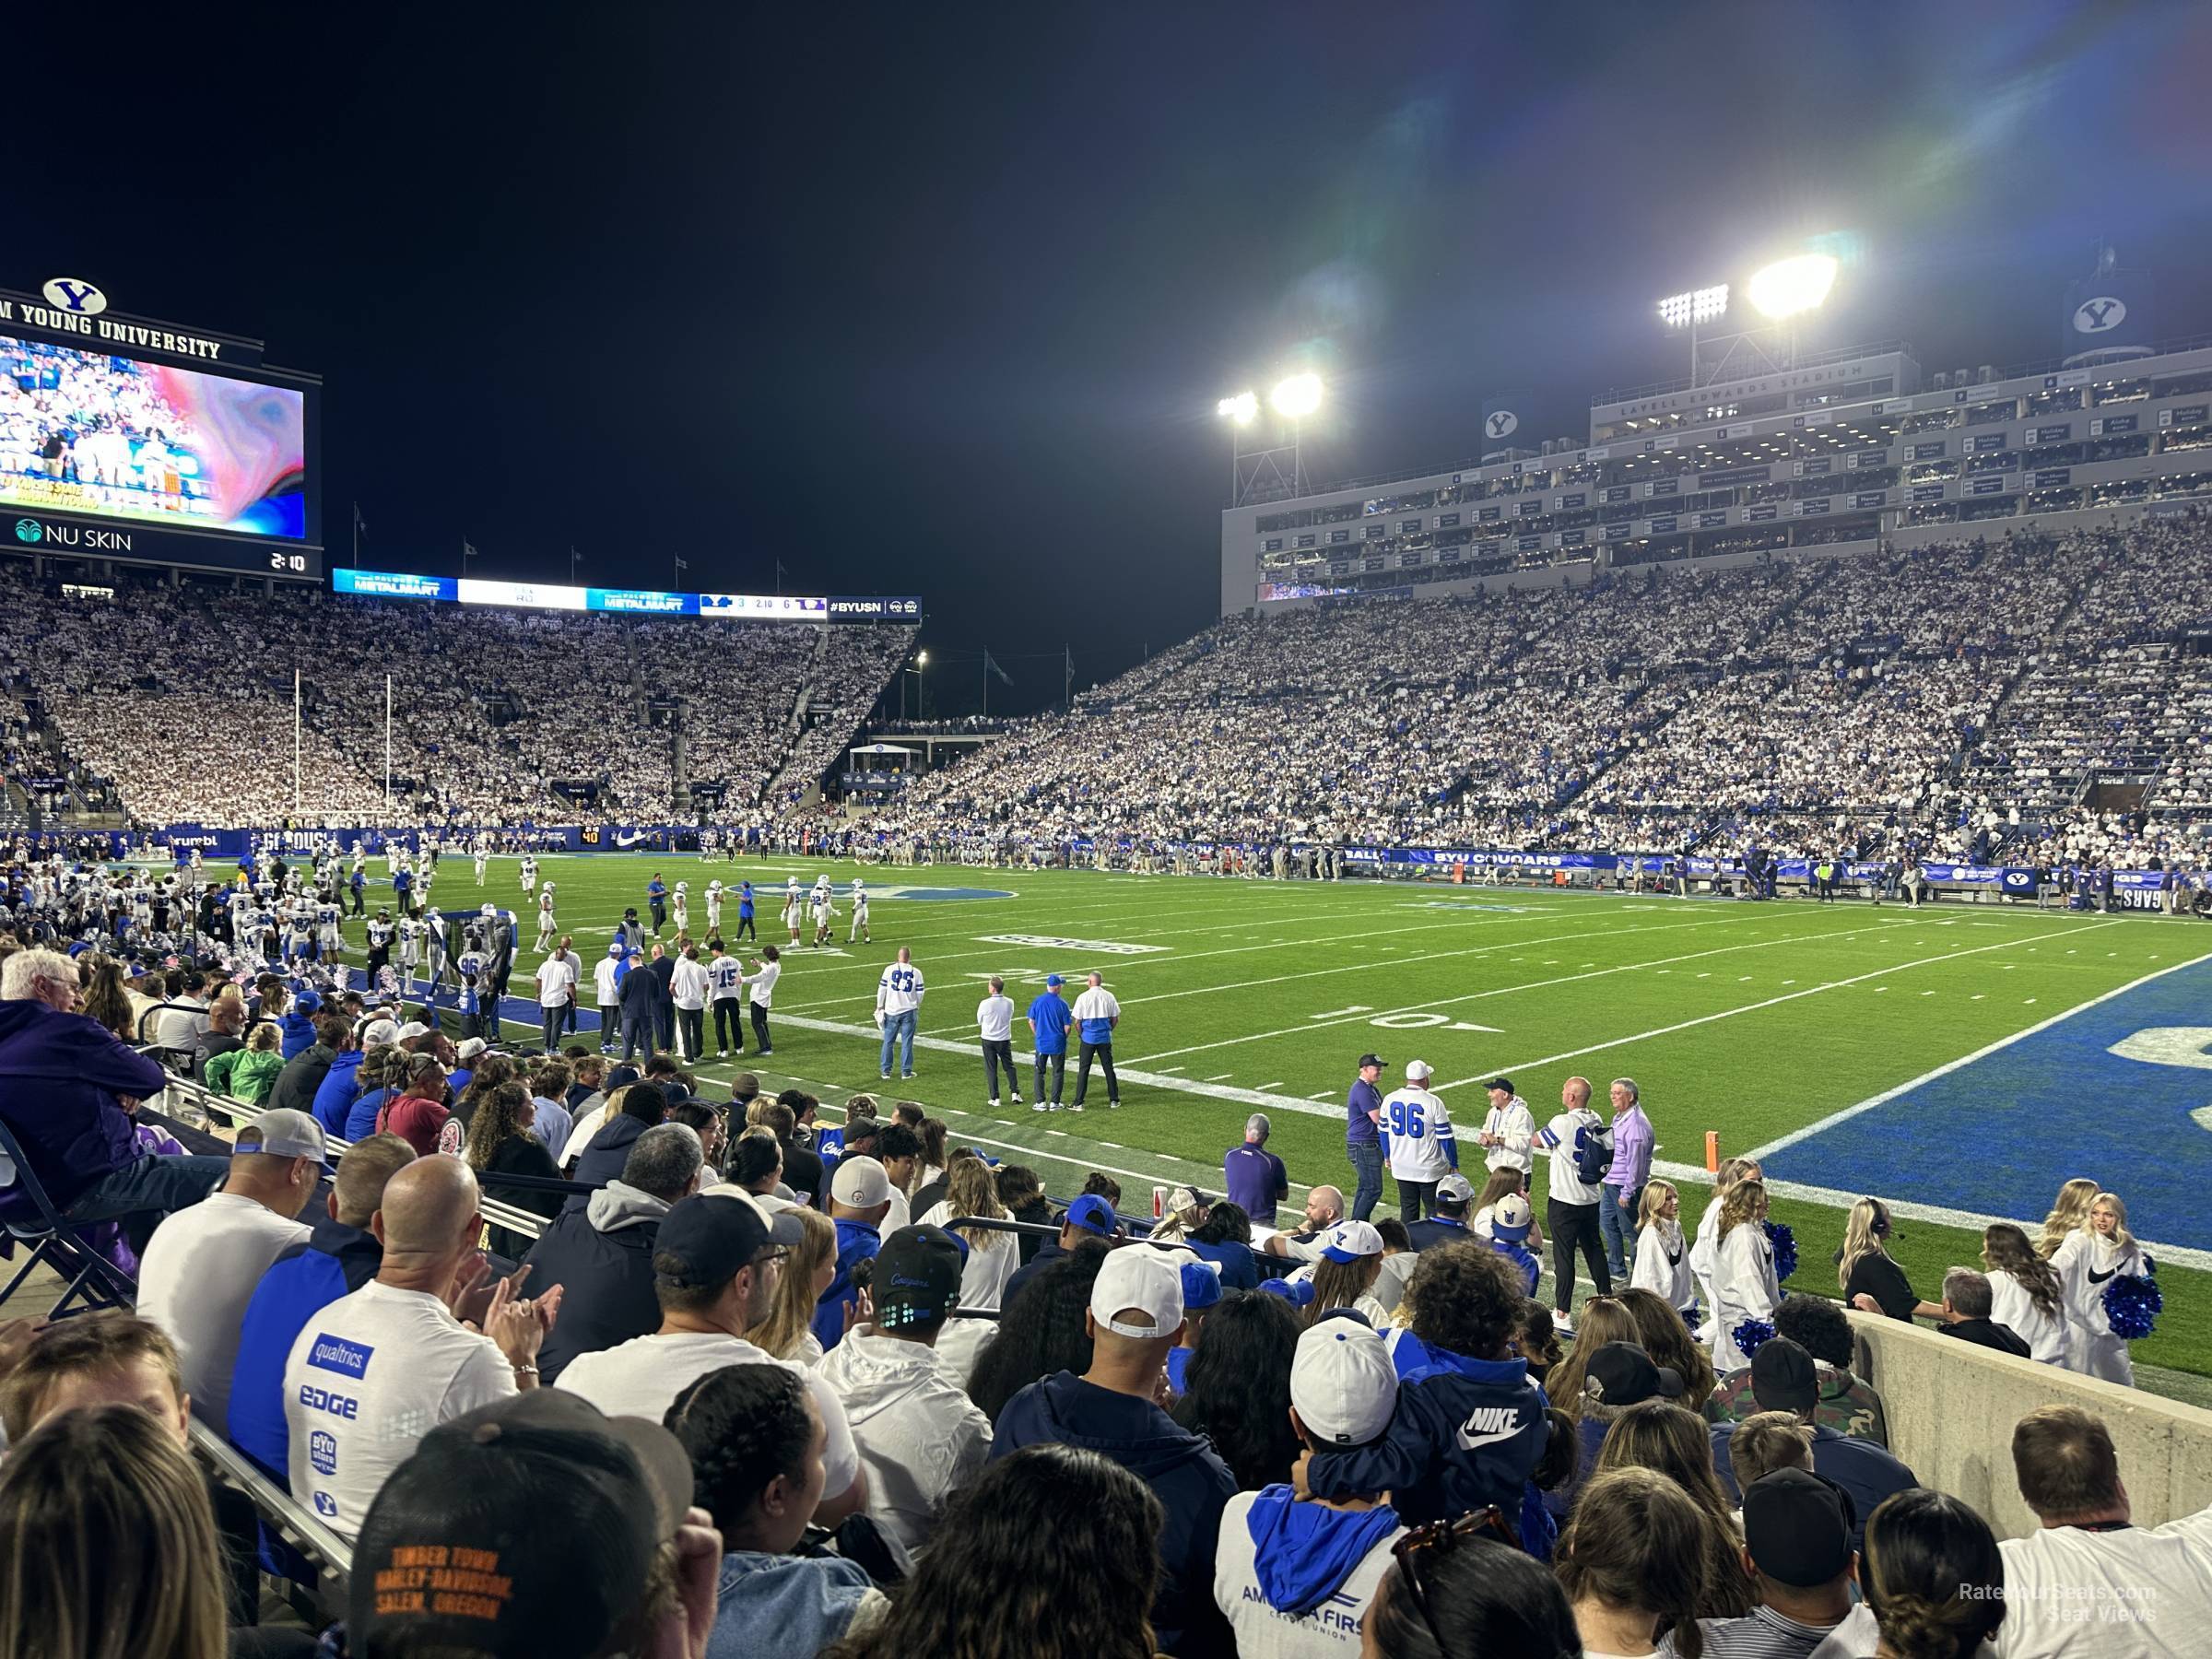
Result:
1661,1262
2085,1263
1743,1272
2069,1213
2025,1293
1704,1250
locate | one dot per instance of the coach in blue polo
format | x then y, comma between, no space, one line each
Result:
1050,1020
1363,1136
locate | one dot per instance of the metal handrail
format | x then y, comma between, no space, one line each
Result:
294,1525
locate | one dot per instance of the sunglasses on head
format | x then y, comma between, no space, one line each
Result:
1423,1546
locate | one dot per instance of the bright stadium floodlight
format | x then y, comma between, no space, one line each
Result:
1298,397
1699,305
1792,285
1240,408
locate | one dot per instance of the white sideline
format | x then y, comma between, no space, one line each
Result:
1783,1141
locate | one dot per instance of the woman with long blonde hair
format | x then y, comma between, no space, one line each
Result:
107,1544
1705,1250
1662,1264
1869,1276
2025,1293
1744,1286
785,1333
1667,1338
970,1189
1600,1320
2086,1262
1663,1435
2068,1211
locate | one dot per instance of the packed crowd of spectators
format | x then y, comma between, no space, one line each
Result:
762,1386
491,708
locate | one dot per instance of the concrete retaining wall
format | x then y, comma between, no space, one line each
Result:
1951,1406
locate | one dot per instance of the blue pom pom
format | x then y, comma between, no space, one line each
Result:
1785,1249
2132,1303
1749,1335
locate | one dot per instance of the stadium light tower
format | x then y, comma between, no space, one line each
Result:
1790,286
1688,310
1265,459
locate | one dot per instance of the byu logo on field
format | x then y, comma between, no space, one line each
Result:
2172,1045
28,530
1504,423
73,295
2095,316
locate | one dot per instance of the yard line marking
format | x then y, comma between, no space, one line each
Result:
1948,1067
1323,1094
1217,1076
1169,1071
1277,1084
1596,1048
1542,985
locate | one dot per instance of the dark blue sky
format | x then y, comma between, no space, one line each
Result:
940,298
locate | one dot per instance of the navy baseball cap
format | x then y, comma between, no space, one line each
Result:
1504,1083
1093,1213
707,1239
917,1276
1368,1060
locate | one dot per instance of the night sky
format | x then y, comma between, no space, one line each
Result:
940,298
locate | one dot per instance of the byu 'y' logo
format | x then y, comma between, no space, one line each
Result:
71,295
2095,316
1504,422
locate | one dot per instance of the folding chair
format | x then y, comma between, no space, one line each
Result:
90,1278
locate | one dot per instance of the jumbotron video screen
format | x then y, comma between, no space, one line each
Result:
87,432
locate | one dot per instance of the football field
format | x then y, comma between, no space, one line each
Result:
1959,1061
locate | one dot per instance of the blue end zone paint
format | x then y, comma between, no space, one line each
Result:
1998,1137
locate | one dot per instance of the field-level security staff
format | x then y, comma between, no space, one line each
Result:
1422,1151
1097,1012
899,1002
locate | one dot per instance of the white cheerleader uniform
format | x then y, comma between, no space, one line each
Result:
1744,1287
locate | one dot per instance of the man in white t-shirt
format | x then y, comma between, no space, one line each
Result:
1294,1574
897,1011
716,1262
201,1265
2088,1580
1096,1014
995,1022
688,988
556,986
1422,1150
1570,1212
374,1372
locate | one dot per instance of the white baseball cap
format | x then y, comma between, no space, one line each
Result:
859,1181
1455,1188
1146,1281
1509,1218
379,1031
414,1028
1343,1384
284,1132
1349,1241
1419,1071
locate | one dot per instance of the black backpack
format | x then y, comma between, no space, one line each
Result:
1592,1153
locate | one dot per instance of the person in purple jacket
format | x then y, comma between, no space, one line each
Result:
1255,1177
1624,1181
67,1089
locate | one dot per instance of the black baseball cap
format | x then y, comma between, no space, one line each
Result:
1784,1377
1621,1373
1504,1083
1368,1060
1797,1527
529,1528
917,1278
705,1239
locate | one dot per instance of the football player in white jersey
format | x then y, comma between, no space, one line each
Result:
299,932
792,908
823,910
713,907
860,914
328,939
410,948
529,873
682,906
544,915
483,859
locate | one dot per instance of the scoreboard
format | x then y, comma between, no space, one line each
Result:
144,443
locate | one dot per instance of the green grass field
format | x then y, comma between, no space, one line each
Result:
1755,1021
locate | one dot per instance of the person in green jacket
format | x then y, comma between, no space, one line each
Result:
248,1074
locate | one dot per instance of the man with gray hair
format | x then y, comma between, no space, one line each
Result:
600,1248
1966,1308
1625,1179
67,1089
1255,1177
